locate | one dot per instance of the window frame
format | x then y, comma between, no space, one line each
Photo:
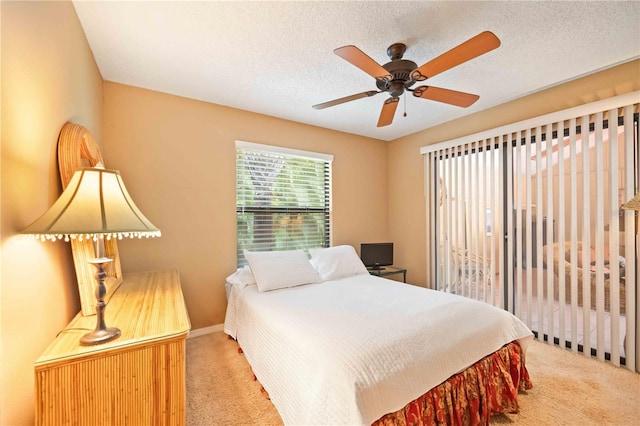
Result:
288,153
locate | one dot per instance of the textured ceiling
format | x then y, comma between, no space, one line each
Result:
276,58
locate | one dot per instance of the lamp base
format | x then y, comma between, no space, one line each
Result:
100,336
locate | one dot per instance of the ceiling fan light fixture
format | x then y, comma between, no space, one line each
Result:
400,74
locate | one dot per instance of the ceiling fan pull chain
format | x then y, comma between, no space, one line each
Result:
405,107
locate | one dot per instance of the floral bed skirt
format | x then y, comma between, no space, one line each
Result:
488,387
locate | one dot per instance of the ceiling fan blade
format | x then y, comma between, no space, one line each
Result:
474,47
388,111
345,99
447,96
361,60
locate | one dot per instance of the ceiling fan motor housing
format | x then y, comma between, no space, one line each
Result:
400,70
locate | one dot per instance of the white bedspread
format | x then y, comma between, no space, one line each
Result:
351,350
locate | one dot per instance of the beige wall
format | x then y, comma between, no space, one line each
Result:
177,158
48,77
407,214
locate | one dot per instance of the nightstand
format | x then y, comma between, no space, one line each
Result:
136,379
385,271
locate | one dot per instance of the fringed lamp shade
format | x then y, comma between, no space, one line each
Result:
632,204
94,203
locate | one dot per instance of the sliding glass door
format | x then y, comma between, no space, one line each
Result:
467,194
529,220
570,266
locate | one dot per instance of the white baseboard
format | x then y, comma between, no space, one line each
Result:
206,330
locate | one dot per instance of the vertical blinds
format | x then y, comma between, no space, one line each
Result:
283,199
527,217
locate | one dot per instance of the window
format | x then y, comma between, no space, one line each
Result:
283,198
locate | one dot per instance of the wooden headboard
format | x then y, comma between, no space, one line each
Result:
78,149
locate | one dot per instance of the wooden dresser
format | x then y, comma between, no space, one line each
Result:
136,379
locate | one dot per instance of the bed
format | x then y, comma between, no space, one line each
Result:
332,344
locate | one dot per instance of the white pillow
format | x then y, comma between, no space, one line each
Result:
242,277
337,262
280,269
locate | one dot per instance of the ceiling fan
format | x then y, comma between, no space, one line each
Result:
400,74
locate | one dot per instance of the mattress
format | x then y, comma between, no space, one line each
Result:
349,351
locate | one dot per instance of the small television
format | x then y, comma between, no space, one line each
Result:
376,255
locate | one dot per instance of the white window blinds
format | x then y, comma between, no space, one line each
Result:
283,198
527,217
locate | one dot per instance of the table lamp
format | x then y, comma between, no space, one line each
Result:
95,205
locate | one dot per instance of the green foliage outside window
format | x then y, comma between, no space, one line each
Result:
282,202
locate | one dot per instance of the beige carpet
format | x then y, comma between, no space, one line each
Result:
569,389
